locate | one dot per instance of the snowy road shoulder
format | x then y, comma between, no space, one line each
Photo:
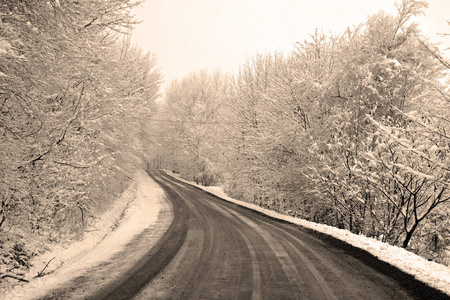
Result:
433,274
142,206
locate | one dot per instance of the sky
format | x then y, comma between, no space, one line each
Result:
189,35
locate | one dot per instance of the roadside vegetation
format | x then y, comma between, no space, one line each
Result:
351,130
74,99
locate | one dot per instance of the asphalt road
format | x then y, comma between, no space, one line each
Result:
218,250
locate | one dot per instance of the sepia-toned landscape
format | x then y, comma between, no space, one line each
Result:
320,171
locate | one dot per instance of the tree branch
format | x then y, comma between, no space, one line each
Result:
14,276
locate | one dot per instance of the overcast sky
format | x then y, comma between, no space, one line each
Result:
188,35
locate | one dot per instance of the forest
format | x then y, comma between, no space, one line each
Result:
350,130
74,99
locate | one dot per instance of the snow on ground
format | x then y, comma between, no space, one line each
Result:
136,210
434,274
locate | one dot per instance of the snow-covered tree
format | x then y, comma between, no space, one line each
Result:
381,159
191,115
73,96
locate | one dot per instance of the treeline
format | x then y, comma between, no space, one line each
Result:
349,130
74,97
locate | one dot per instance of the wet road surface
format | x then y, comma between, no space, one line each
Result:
218,250
214,249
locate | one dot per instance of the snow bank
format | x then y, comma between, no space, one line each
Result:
136,210
434,274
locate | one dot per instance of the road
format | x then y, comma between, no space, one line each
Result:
218,250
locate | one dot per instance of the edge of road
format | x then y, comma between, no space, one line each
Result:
143,204
410,281
157,257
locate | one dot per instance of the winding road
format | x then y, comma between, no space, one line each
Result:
215,249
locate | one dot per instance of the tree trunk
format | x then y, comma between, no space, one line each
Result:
82,215
409,235
2,220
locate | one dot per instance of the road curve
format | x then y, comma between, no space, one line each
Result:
215,249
